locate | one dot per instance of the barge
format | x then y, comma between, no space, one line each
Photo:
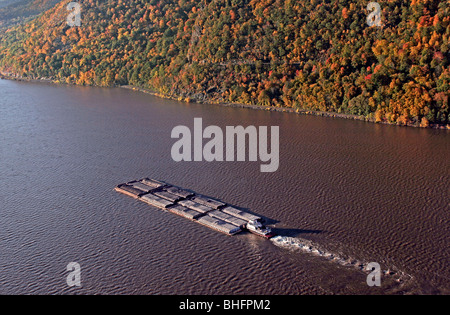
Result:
212,213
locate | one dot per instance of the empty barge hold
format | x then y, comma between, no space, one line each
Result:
209,212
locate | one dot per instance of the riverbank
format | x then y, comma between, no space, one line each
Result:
240,105
14,77
282,109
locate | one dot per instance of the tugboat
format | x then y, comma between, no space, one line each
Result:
257,228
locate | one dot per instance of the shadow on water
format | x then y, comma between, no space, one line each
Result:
295,232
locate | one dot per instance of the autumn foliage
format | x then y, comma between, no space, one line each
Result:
310,55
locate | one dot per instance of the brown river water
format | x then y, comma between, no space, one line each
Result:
346,193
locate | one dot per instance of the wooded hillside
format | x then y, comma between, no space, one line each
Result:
312,55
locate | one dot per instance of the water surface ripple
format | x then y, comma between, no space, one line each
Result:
347,193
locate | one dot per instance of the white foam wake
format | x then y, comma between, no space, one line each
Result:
306,246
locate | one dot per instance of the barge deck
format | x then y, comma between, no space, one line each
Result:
206,211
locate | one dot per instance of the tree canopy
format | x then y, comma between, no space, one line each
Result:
310,55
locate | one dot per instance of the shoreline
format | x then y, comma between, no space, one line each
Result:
240,105
282,109
13,77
